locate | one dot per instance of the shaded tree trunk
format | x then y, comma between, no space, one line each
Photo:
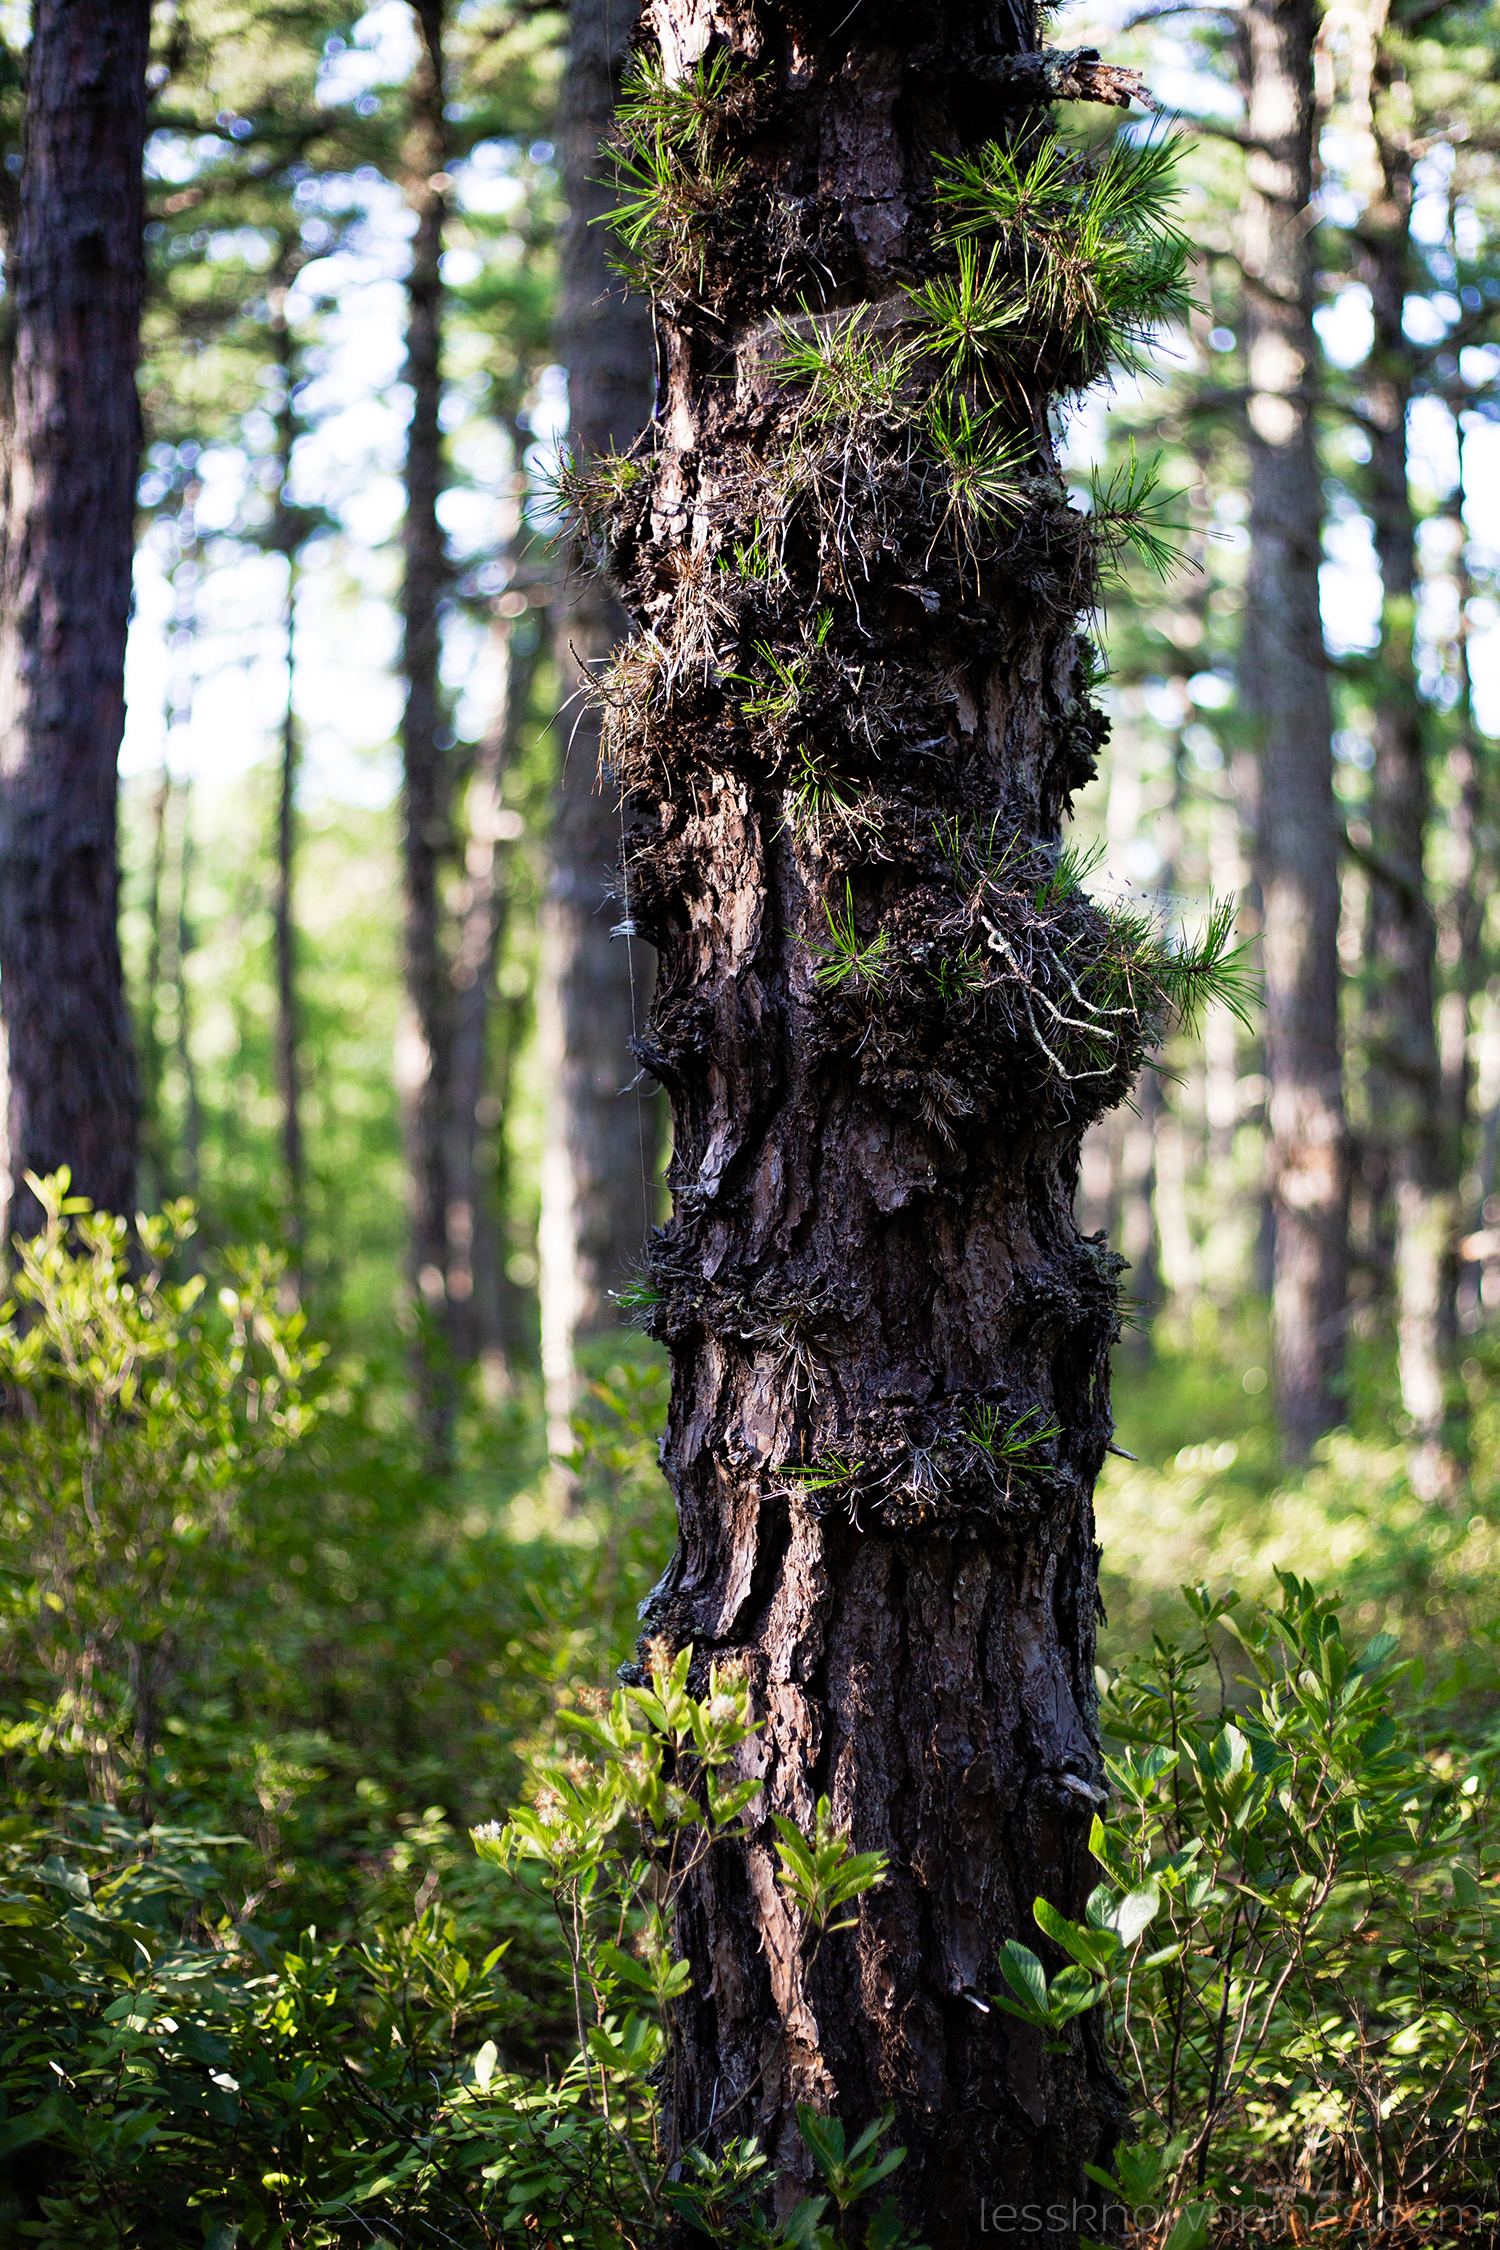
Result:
159,1158
286,536
872,1283
1472,883
1284,683
424,1051
594,1206
1412,1124
174,969
156,1165
76,282
474,1292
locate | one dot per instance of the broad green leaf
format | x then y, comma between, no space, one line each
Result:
1024,1974
1093,1949
1136,1911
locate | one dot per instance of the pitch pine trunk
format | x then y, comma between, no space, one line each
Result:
849,728
594,1215
1284,679
1412,1126
423,1061
74,283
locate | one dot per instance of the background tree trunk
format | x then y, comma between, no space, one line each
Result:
1412,1125
423,1060
595,1207
1284,682
286,536
872,1284
476,1326
155,1164
75,282
1472,877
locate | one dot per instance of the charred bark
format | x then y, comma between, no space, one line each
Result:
594,1215
75,282
849,729
1284,681
424,1057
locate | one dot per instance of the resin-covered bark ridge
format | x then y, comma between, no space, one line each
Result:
847,729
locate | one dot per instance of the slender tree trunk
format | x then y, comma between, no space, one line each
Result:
1403,938
157,1184
1471,878
158,1156
1284,682
286,537
473,1279
594,1206
872,1282
1133,1138
76,281
423,1059
175,970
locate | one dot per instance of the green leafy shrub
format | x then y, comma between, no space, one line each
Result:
137,1411
1297,1941
170,2074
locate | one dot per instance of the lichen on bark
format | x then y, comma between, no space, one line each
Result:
848,730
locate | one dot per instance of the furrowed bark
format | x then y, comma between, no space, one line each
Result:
423,1060
594,1207
1411,1125
75,285
883,1040
1284,681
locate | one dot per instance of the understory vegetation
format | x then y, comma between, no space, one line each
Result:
346,1817
267,1988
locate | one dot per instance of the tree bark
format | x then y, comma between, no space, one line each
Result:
1412,1124
872,1283
1284,681
425,1043
76,281
595,1210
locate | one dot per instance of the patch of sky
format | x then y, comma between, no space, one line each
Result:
1427,320
1432,447
1165,701
381,52
1352,748
1346,326
1211,691
1183,77
171,158
1349,580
